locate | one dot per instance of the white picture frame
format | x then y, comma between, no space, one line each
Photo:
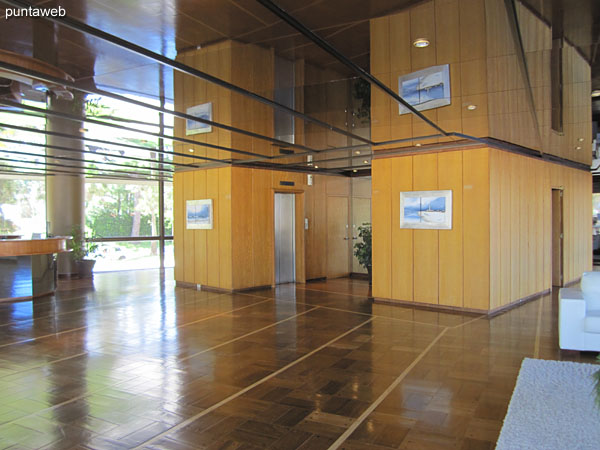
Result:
203,111
425,89
429,210
199,214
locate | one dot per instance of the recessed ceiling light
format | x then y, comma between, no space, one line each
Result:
417,144
596,93
191,150
580,139
354,170
357,152
421,42
472,107
316,167
578,148
366,161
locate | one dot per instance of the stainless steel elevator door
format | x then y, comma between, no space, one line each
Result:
285,242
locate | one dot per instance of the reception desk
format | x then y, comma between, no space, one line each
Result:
28,267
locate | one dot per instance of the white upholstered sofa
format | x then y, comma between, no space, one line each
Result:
579,315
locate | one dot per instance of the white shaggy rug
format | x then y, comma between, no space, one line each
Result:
552,407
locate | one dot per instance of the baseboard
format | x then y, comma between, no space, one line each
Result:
203,287
431,306
519,302
458,309
359,276
315,280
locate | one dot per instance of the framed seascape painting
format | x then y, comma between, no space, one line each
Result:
430,210
199,214
425,89
203,111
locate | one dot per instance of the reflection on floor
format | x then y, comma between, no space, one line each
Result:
133,361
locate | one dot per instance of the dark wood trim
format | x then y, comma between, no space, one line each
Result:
184,284
431,306
316,280
203,287
359,276
470,143
27,297
458,310
519,302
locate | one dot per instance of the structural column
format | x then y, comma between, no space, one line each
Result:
65,193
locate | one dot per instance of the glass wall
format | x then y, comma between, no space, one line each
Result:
22,193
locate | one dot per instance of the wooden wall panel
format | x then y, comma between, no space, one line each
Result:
178,224
510,113
476,228
225,228
525,244
201,263
262,224
188,235
402,264
212,236
427,265
381,170
425,242
456,31
450,176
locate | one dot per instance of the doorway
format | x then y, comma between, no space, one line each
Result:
285,242
338,239
557,237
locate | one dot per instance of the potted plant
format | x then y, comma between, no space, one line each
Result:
362,249
80,248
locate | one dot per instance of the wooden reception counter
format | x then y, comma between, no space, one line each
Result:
28,267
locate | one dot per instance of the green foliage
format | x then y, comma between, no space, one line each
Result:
361,91
80,245
362,249
95,108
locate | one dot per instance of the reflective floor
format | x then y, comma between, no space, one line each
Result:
131,361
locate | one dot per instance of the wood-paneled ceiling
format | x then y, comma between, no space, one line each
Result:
166,26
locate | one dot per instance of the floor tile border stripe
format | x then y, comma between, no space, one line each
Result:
99,390
358,312
340,440
248,388
248,334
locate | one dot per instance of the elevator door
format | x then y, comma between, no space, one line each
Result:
285,242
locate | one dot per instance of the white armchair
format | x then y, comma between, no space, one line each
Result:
579,315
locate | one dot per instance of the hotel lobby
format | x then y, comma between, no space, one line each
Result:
264,224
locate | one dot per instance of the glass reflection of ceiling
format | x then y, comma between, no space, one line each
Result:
169,26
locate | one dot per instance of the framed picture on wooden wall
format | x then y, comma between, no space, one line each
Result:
203,111
431,210
425,89
199,214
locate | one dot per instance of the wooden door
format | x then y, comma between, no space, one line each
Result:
338,237
557,237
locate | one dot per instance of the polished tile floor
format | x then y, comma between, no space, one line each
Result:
130,361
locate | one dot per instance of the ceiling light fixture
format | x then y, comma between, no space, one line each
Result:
316,167
421,42
357,152
472,107
354,170
417,144
596,93
580,139
366,161
191,150
578,148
